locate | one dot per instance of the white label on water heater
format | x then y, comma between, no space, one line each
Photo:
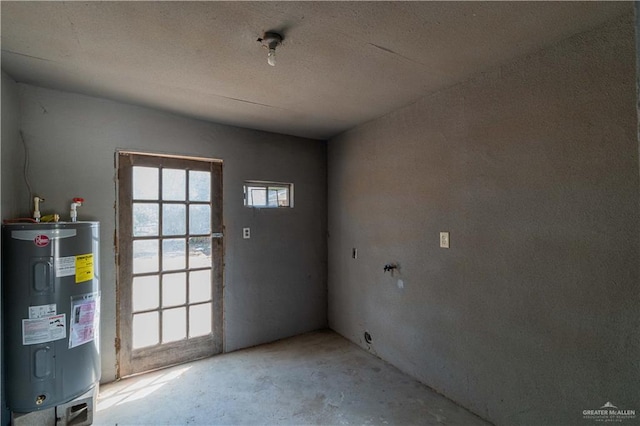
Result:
42,311
42,330
66,266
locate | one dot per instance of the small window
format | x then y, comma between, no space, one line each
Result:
268,194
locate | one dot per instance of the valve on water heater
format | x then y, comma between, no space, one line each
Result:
77,202
36,207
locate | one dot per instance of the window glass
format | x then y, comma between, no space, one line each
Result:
173,184
145,183
268,194
199,186
145,219
174,219
199,219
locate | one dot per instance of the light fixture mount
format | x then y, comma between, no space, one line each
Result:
270,40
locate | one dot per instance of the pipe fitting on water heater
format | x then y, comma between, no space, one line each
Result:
77,202
36,207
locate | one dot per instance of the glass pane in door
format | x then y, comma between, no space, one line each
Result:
145,183
145,329
174,324
199,186
173,185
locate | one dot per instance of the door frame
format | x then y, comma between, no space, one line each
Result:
130,361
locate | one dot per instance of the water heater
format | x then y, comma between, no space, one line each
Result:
51,305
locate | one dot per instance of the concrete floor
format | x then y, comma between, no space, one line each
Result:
315,378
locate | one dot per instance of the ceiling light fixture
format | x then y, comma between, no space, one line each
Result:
270,41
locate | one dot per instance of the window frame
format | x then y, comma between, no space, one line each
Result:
267,185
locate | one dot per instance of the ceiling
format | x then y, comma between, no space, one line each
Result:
341,63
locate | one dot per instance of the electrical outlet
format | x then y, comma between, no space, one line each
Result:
246,233
444,240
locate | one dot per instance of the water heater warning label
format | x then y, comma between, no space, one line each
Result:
81,266
66,266
42,311
42,330
84,267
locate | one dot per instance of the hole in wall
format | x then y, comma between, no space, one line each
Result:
367,337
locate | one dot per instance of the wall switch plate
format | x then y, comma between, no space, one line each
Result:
444,240
246,233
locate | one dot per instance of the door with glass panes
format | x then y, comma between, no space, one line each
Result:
169,260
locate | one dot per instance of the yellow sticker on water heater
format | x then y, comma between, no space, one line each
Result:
84,267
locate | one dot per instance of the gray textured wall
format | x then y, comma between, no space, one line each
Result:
532,315
275,283
9,146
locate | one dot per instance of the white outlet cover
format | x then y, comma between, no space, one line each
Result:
246,233
444,240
